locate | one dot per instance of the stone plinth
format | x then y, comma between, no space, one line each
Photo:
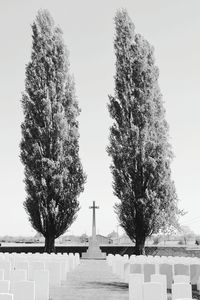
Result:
94,251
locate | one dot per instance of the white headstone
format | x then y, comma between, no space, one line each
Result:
148,270
166,269
71,262
64,267
1,274
152,291
181,269
135,286
185,299
77,258
4,286
6,296
181,290
163,281
194,273
123,262
24,290
109,259
118,266
181,278
135,268
6,266
41,279
21,265
17,275
126,272
35,265
54,269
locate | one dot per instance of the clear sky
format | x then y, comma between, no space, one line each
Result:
172,27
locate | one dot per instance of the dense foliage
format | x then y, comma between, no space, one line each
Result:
54,176
139,147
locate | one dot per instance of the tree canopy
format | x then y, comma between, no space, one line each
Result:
54,176
139,138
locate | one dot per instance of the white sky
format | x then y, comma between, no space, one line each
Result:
172,26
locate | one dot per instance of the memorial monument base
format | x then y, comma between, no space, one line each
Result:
94,251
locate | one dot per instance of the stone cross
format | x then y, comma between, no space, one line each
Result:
94,221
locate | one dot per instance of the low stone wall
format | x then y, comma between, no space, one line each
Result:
153,250
40,249
108,249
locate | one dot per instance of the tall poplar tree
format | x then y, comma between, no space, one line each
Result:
54,176
139,147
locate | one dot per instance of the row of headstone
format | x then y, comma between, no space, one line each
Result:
169,266
155,289
33,274
171,273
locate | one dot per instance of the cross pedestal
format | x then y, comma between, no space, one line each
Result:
94,251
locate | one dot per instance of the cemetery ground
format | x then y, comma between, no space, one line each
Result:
93,280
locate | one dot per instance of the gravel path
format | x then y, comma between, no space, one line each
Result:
91,280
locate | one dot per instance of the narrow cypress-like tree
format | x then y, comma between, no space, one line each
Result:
54,176
139,147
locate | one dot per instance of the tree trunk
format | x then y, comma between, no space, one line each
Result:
49,244
139,246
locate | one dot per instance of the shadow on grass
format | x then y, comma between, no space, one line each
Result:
195,295
112,286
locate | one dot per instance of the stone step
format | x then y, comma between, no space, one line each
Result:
94,251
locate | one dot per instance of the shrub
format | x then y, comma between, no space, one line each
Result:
156,240
181,241
197,241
